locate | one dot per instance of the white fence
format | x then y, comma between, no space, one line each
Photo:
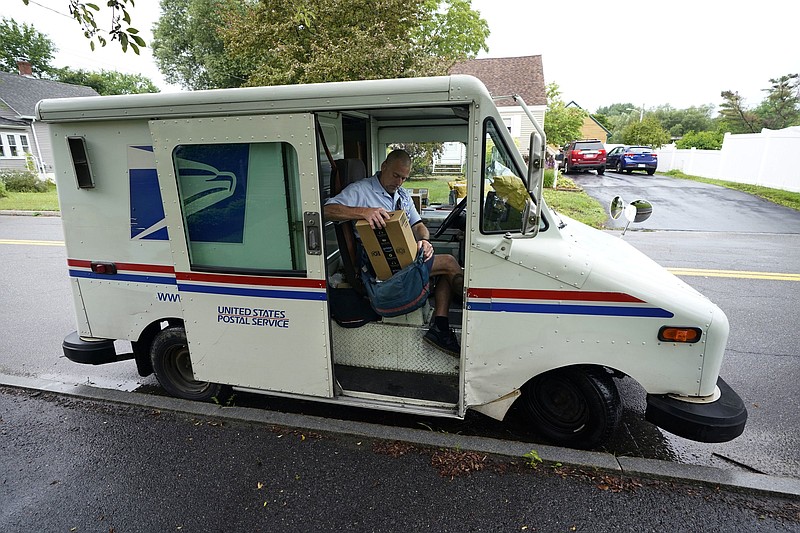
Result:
765,158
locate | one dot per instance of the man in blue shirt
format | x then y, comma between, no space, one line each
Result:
371,199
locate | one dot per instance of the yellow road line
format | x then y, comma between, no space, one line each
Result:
25,242
741,274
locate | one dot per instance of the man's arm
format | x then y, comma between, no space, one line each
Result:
422,235
376,216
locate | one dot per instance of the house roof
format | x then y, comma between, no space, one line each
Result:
21,93
508,75
574,103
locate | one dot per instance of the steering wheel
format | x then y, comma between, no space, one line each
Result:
451,218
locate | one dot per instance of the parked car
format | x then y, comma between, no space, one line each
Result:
630,158
585,154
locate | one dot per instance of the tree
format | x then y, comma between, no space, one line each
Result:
647,132
23,41
702,140
781,107
107,82
679,121
188,47
83,13
562,124
294,41
735,116
619,116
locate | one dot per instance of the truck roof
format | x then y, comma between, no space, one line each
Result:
283,98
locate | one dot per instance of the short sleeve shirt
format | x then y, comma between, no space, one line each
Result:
370,193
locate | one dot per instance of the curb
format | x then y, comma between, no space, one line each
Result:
630,466
13,212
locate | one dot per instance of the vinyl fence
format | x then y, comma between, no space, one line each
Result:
765,159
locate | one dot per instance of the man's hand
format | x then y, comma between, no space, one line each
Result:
376,216
426,248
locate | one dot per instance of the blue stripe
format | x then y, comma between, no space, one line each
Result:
258,293
556,309
123,277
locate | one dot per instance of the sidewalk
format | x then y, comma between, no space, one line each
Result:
104,460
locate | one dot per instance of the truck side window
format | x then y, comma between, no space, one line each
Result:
241,206
504,193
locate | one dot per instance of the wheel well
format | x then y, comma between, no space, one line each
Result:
141,347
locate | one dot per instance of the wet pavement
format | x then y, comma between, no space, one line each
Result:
70,464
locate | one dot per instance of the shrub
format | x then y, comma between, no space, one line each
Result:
702,140
22,181
3,191
548,178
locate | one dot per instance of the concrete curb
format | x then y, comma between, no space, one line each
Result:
12,212
629,466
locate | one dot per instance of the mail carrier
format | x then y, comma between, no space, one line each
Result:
194,229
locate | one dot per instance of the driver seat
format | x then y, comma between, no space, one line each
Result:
348,171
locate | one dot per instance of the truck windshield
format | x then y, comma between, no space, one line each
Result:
504,192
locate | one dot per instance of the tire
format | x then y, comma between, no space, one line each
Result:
601,171
567,170
576,407
169,355
619,167
651,171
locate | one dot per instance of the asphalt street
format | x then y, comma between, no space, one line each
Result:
70,464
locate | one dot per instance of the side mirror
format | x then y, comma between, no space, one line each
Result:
636,211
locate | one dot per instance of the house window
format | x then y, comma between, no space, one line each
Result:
14,145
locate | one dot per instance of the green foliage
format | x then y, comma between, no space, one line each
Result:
532,458
107,82
422,155
286,42
22,181
577,205
679,121
548,178
24,41
647,132
735,116
603,120
702,140
781,108
189,49
3,190
561,124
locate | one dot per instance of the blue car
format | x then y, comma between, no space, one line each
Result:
630,158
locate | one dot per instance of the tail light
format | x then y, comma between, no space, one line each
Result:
629,154
655,155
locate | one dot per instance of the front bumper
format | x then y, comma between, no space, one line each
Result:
91,352
719,421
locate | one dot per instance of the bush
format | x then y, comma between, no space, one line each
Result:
702,140
548,178
3,191
22,181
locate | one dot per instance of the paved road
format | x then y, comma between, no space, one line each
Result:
73,465
689,205
761,364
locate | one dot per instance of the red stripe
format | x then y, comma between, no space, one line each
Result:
135,267
522,294
252,280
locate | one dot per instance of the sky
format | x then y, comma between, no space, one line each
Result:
682,53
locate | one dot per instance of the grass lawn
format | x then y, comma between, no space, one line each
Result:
777,196
31,201
438,190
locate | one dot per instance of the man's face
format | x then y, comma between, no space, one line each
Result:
393,175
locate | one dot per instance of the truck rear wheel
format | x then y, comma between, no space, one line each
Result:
574,407
172,366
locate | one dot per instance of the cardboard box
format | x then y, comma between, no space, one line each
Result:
389,249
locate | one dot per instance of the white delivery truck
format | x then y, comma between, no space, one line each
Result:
193,227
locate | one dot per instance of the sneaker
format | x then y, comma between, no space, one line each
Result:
446,341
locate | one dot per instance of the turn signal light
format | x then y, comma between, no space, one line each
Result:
679,334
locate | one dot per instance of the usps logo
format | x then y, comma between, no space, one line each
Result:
147,209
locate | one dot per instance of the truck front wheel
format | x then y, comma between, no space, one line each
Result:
172,366
575,407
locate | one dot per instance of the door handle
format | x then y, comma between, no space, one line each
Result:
311,226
